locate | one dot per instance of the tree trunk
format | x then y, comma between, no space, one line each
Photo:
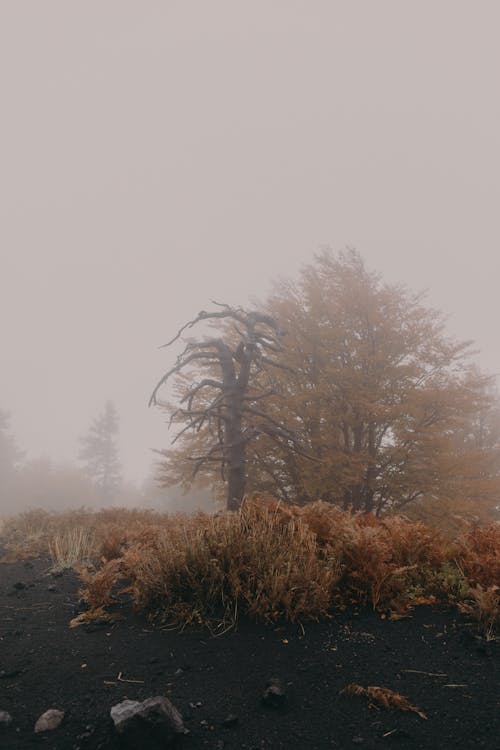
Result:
236,480
235,454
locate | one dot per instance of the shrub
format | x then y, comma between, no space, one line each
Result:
267,561
483,606
256,561
479,555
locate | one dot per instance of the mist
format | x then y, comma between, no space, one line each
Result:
157,156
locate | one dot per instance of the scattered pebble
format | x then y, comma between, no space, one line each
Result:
49,720
274,694
230,720
5,719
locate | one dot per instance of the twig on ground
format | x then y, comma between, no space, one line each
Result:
427,674
122,679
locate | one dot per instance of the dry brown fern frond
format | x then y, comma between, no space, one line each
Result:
98,614
383,697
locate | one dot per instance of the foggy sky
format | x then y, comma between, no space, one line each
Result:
157,155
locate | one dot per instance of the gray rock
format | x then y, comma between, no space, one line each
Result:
155,721
51,719
230,721
5,719
274,694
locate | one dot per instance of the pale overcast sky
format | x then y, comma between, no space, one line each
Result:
158,154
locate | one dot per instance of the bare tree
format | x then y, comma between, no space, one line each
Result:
226,401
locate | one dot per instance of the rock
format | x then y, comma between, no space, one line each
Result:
155,722
274,694
7,675
51,719
19,586
5,719
52,587
230,720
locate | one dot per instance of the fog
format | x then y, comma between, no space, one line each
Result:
159,155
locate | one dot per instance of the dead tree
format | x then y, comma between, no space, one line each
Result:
227,400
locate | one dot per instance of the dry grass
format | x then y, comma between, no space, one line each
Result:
255,561
73,547
268,561
483,606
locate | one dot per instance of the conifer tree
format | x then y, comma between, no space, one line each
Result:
10,459
99,453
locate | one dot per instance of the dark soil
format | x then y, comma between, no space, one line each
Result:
434,658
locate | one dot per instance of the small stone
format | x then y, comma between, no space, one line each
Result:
9,674
19,586
49,720
358,740
155,721
230,720
274,694
5,719
52,587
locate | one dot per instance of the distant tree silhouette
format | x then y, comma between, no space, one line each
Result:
99,454
10,461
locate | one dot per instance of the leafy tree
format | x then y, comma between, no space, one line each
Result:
221,386
99,453
365,382
376,391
